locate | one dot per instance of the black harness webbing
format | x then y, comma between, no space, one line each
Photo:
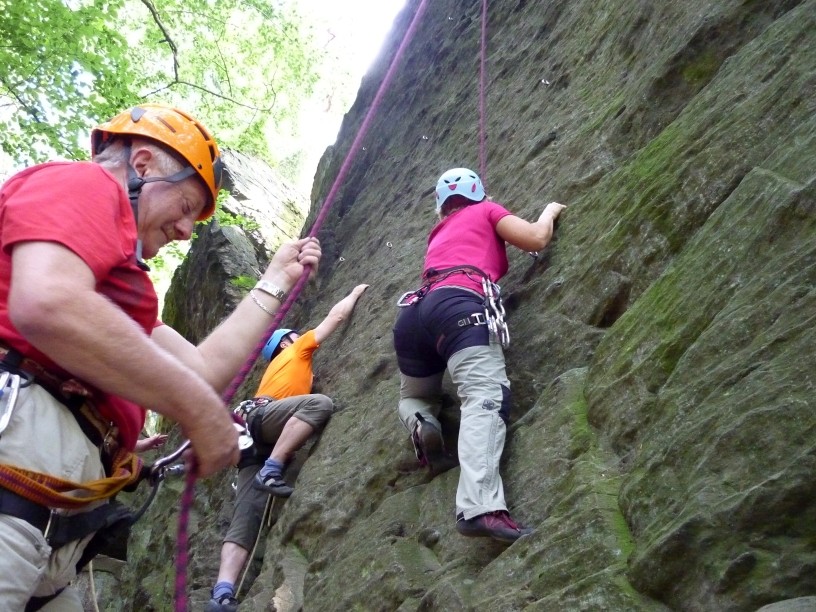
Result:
37,603
433,276
59,529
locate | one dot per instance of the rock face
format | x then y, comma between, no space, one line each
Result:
663,440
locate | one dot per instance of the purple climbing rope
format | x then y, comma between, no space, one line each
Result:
188,495
483,98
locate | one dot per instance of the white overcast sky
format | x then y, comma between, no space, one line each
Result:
355,30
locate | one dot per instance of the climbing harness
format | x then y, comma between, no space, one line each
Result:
494,313
36,497
247,407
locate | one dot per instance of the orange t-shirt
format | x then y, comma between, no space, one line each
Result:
290,373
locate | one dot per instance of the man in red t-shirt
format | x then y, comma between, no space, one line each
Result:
78,313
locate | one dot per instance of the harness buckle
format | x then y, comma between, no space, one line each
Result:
476,318
409,298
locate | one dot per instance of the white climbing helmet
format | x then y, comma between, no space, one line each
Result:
459,181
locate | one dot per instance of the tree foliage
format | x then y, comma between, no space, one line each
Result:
241,66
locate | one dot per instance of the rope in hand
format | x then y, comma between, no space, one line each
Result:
188,495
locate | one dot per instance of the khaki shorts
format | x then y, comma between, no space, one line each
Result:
42,435
266,425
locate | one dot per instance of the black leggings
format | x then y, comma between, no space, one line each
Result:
426,333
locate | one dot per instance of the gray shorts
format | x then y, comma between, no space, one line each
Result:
266,425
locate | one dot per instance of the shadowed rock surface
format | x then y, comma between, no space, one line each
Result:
663,439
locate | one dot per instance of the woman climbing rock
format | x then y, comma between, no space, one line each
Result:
455,321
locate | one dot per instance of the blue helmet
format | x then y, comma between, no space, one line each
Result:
274,342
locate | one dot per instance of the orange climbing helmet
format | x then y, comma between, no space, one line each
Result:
174,129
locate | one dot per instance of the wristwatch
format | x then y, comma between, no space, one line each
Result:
271,289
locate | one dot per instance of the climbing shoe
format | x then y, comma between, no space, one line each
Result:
497,525
274,485
430,447
226,603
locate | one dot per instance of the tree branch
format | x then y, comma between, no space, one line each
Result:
224,66
216,94
167,38
177,81
12,92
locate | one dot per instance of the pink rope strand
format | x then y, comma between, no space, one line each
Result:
182,554
483,98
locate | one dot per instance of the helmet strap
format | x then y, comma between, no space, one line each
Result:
135,184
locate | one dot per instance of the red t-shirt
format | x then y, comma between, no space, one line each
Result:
81,206
468,237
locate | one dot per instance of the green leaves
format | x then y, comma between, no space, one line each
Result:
53,82
241,66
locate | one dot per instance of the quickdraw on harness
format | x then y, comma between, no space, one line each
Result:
493,315
494,311
248,407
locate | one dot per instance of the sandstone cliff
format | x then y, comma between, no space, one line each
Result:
663,439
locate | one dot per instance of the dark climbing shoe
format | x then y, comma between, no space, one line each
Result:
224,604
430,447
274,485
497,525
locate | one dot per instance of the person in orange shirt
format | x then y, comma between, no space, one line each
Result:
281,417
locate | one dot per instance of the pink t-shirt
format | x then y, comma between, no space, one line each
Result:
81,206
468,237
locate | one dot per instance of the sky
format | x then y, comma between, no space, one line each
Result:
355,30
